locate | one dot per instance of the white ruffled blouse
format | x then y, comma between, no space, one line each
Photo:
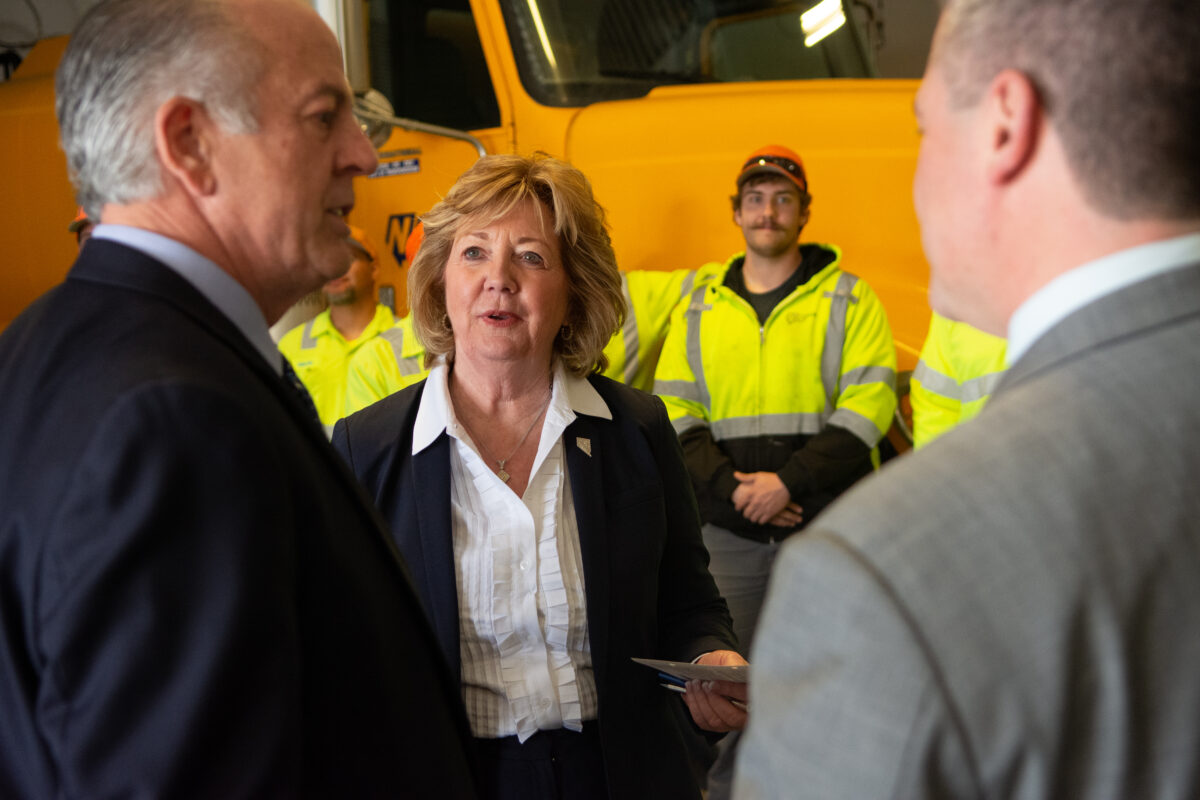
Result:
523,637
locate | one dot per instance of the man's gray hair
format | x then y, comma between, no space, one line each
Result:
124,60
1120,80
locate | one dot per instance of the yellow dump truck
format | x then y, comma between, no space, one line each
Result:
657,101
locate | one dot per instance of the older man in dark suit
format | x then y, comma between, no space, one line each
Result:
1013,611
196,599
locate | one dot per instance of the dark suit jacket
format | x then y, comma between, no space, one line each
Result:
197,599
649,593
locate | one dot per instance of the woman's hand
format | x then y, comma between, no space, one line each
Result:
712,703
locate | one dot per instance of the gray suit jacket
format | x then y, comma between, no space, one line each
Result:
1013,612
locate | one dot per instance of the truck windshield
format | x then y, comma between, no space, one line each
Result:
572,53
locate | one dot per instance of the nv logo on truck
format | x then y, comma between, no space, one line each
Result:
399,226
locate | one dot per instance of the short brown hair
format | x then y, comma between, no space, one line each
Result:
1118,79
489,191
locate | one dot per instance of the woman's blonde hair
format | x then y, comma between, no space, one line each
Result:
489,191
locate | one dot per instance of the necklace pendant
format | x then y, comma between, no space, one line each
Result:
502,474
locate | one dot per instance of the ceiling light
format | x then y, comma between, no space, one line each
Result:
821,20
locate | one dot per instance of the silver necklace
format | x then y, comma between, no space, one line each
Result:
502,473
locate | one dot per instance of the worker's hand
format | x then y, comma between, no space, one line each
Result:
712,703
791,516
760,496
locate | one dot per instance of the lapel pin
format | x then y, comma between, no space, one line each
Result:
584,444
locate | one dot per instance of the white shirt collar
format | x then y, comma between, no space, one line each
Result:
217,285
1087,283
569,396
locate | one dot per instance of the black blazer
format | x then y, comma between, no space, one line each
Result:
197,598
649,592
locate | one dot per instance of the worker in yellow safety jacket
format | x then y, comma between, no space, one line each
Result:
320,350
392,361
650,295
957,373
385,365
778,376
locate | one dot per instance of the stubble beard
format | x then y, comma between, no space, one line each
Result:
775,248
342,298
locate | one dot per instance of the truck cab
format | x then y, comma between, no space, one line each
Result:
657,101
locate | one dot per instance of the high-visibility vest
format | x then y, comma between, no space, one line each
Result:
957,373
825,356
393,360
650,295
320,355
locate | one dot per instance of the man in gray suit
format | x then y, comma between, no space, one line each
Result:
1015,610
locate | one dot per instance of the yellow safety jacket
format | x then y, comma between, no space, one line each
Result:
957,373
756,396
320,355
385,365
650,295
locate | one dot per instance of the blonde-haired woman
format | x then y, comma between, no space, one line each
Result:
544,511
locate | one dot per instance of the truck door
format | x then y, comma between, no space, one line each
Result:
425,57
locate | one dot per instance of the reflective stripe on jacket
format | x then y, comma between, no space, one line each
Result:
750,398
958,371
650,296
824,356
320,356
394,360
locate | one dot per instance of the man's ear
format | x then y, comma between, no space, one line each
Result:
1014,118
183,139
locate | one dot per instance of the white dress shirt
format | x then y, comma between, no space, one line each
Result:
1087,283
523,636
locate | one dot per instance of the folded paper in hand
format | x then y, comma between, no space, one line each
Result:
699,672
